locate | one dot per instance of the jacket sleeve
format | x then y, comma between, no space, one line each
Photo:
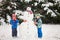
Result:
10,21
18,22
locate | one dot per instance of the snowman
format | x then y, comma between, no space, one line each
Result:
28,31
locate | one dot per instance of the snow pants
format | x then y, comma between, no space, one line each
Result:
39,33
14,32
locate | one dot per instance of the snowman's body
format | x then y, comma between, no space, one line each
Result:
28,31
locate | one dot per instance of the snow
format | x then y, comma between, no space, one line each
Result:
13,4
27,1
40,1
52,13
18,12
45,8
57,0
8,18
47,4
50,32
9,8
2,21
49,10
35,3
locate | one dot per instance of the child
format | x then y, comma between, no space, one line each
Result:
14,22
38,23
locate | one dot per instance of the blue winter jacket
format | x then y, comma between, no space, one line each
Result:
14,23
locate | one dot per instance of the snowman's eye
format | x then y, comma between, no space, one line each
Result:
20,14
17,13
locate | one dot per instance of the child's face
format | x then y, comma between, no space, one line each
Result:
38,17
13,16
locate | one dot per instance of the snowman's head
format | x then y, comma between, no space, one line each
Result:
28,8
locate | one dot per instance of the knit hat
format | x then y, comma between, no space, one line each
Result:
38,15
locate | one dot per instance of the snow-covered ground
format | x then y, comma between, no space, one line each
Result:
50,32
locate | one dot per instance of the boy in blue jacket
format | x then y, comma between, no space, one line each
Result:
14,22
